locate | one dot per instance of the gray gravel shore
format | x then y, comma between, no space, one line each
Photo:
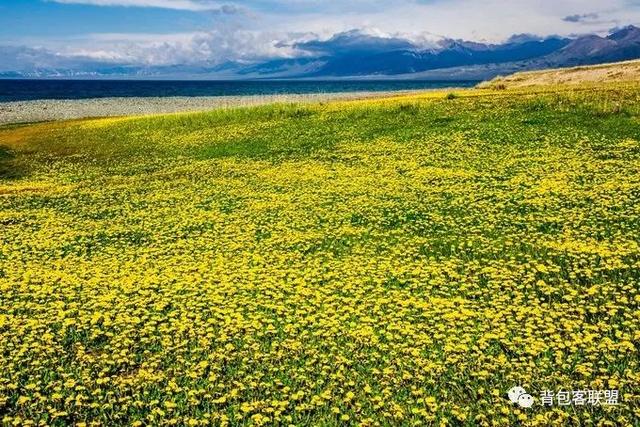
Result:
46,110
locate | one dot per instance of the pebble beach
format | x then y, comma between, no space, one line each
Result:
47,110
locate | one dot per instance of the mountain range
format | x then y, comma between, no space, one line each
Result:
358,55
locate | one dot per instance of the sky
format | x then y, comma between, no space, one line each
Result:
174,32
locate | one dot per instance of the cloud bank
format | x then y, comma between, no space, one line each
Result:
585,17
191,5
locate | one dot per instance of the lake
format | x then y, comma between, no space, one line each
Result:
25,90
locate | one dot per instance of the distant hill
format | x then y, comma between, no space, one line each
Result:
451,53
357,55
618,46
615,72
354,55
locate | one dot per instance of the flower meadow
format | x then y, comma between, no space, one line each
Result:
403,261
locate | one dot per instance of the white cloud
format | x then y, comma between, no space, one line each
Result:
489,20
192,5
198,48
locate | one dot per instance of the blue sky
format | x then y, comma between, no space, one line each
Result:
166,32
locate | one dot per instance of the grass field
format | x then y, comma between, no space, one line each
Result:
384,262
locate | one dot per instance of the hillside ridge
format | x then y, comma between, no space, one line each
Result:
625,71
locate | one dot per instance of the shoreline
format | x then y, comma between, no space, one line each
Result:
16,112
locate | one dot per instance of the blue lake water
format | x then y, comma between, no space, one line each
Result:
24,90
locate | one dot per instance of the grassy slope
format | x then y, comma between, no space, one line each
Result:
628,71
400,261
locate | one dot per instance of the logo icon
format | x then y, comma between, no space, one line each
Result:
518,395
